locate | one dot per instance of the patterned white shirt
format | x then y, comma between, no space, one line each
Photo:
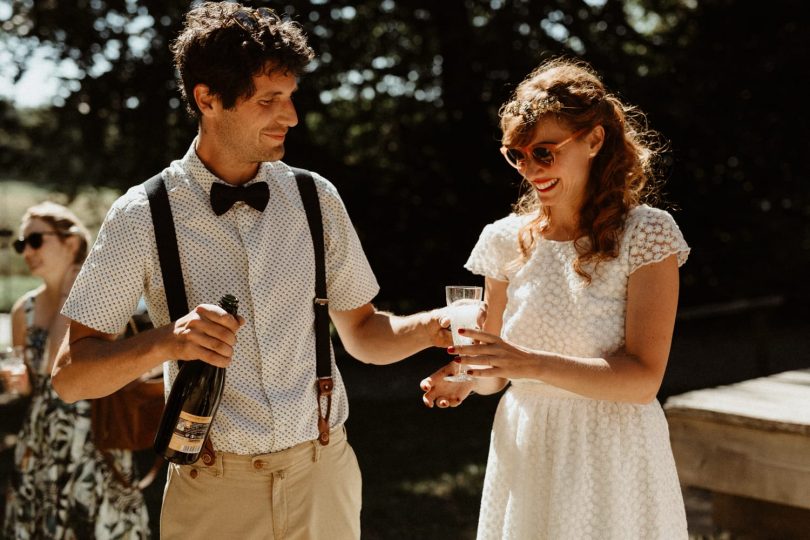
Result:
266,260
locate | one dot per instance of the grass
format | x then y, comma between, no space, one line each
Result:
12,287
423,469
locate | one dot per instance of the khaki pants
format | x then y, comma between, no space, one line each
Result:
307,492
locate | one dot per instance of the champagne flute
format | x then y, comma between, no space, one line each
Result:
464,304
12,364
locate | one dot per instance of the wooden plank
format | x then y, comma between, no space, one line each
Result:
778,403
741,461
759,520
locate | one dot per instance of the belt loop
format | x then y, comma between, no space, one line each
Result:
316,451
278,501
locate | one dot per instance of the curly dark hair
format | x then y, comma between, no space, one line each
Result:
622,173
224,44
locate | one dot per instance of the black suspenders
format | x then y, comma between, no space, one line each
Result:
168,254
169,257
323,360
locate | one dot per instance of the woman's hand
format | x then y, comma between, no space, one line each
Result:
442,393
15,382
491,356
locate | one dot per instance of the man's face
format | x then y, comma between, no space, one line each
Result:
255,128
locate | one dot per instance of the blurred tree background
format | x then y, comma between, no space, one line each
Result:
399,111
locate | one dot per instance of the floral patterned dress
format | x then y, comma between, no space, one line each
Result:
62,487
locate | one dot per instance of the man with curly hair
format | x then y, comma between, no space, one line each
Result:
267,476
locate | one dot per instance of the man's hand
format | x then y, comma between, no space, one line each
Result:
438,328
207,333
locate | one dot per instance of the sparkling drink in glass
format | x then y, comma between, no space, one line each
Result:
12,363
463,307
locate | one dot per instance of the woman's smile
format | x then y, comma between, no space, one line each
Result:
544,185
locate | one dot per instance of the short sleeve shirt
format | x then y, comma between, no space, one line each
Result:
265,259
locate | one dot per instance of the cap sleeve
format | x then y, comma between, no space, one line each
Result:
496,247
654,236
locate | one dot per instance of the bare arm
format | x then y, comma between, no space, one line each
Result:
631,375
93,364
377,337
60,323
18,322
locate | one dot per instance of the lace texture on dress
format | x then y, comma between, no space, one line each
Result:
653,236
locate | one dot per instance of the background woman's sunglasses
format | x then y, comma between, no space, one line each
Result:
542,153
34,240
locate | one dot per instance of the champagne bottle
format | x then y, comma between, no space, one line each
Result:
191,406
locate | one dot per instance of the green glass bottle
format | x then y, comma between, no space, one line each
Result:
192,405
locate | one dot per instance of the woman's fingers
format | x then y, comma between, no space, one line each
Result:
440,393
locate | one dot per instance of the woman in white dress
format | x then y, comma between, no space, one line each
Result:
582,290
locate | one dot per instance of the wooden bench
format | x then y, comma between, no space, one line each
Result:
749,444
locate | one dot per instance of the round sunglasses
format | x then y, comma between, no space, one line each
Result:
34,240
542,153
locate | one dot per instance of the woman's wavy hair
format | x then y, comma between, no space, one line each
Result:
62,221
621,174
224,44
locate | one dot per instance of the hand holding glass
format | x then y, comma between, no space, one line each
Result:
463,306
12,365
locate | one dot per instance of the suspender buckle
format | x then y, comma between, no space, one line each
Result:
321,301
325,385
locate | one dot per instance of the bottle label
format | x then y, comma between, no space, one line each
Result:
189,433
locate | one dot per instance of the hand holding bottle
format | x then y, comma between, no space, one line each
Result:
207,333
198,387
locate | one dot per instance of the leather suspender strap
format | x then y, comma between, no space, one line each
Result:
169,257
166,239
323,366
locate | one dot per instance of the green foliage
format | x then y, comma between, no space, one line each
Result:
12,288
400,112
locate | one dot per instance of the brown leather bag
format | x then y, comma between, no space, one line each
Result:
128,418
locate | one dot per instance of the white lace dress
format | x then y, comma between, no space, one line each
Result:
562,466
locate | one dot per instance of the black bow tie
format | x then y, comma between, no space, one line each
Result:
223,196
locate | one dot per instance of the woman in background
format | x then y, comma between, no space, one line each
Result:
582,290
61,486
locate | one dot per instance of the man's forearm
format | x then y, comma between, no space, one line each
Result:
94,366
383,338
